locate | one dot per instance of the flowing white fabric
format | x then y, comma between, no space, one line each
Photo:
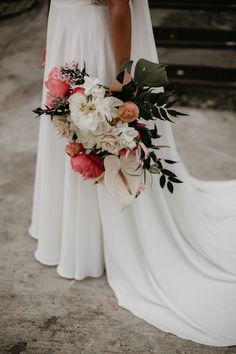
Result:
170,259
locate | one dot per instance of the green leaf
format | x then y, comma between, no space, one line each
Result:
120,77
156,112
127,65
176,113
168,172
150,74
160,98
153,156
162,181
165,115
170,161
160,164
171,103
170,187
175,180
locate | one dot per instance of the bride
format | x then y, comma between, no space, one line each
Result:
170,259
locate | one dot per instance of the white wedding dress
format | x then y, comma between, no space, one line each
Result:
170,259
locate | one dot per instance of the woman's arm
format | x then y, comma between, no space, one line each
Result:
121,30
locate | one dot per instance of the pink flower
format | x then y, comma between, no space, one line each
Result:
56,86
128,112
125,151
74,149
140,125
78,90
89,166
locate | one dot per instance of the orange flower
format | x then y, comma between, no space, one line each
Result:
128,112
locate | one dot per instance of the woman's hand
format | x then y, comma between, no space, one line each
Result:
116,86
121,30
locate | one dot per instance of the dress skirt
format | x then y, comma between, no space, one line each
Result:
170,259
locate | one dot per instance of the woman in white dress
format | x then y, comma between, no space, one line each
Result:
170,259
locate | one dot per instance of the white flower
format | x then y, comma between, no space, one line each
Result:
90,84
62,126
123,177
107,107
88,140
75,102
125,135
98,92
86,116
109,143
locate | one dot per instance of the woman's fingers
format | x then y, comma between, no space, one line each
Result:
117,86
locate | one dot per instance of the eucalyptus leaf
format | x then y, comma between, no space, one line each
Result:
170,187
175,180
176,113
170,161
153,156
165,115
168,173
162,181
170,104
157,113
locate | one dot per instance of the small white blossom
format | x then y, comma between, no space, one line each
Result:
107,107
125,135
90,84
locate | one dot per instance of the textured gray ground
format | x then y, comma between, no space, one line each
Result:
41,313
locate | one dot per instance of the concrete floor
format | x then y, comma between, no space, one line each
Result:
41,313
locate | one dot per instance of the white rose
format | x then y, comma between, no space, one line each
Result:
75,101
88,140
62,126
91,123
109,143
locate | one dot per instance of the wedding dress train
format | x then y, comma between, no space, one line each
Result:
170,259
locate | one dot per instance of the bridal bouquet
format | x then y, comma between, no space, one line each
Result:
112,136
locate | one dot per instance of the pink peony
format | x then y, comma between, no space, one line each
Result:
78,90
128,112
56,86
74,149
89,166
